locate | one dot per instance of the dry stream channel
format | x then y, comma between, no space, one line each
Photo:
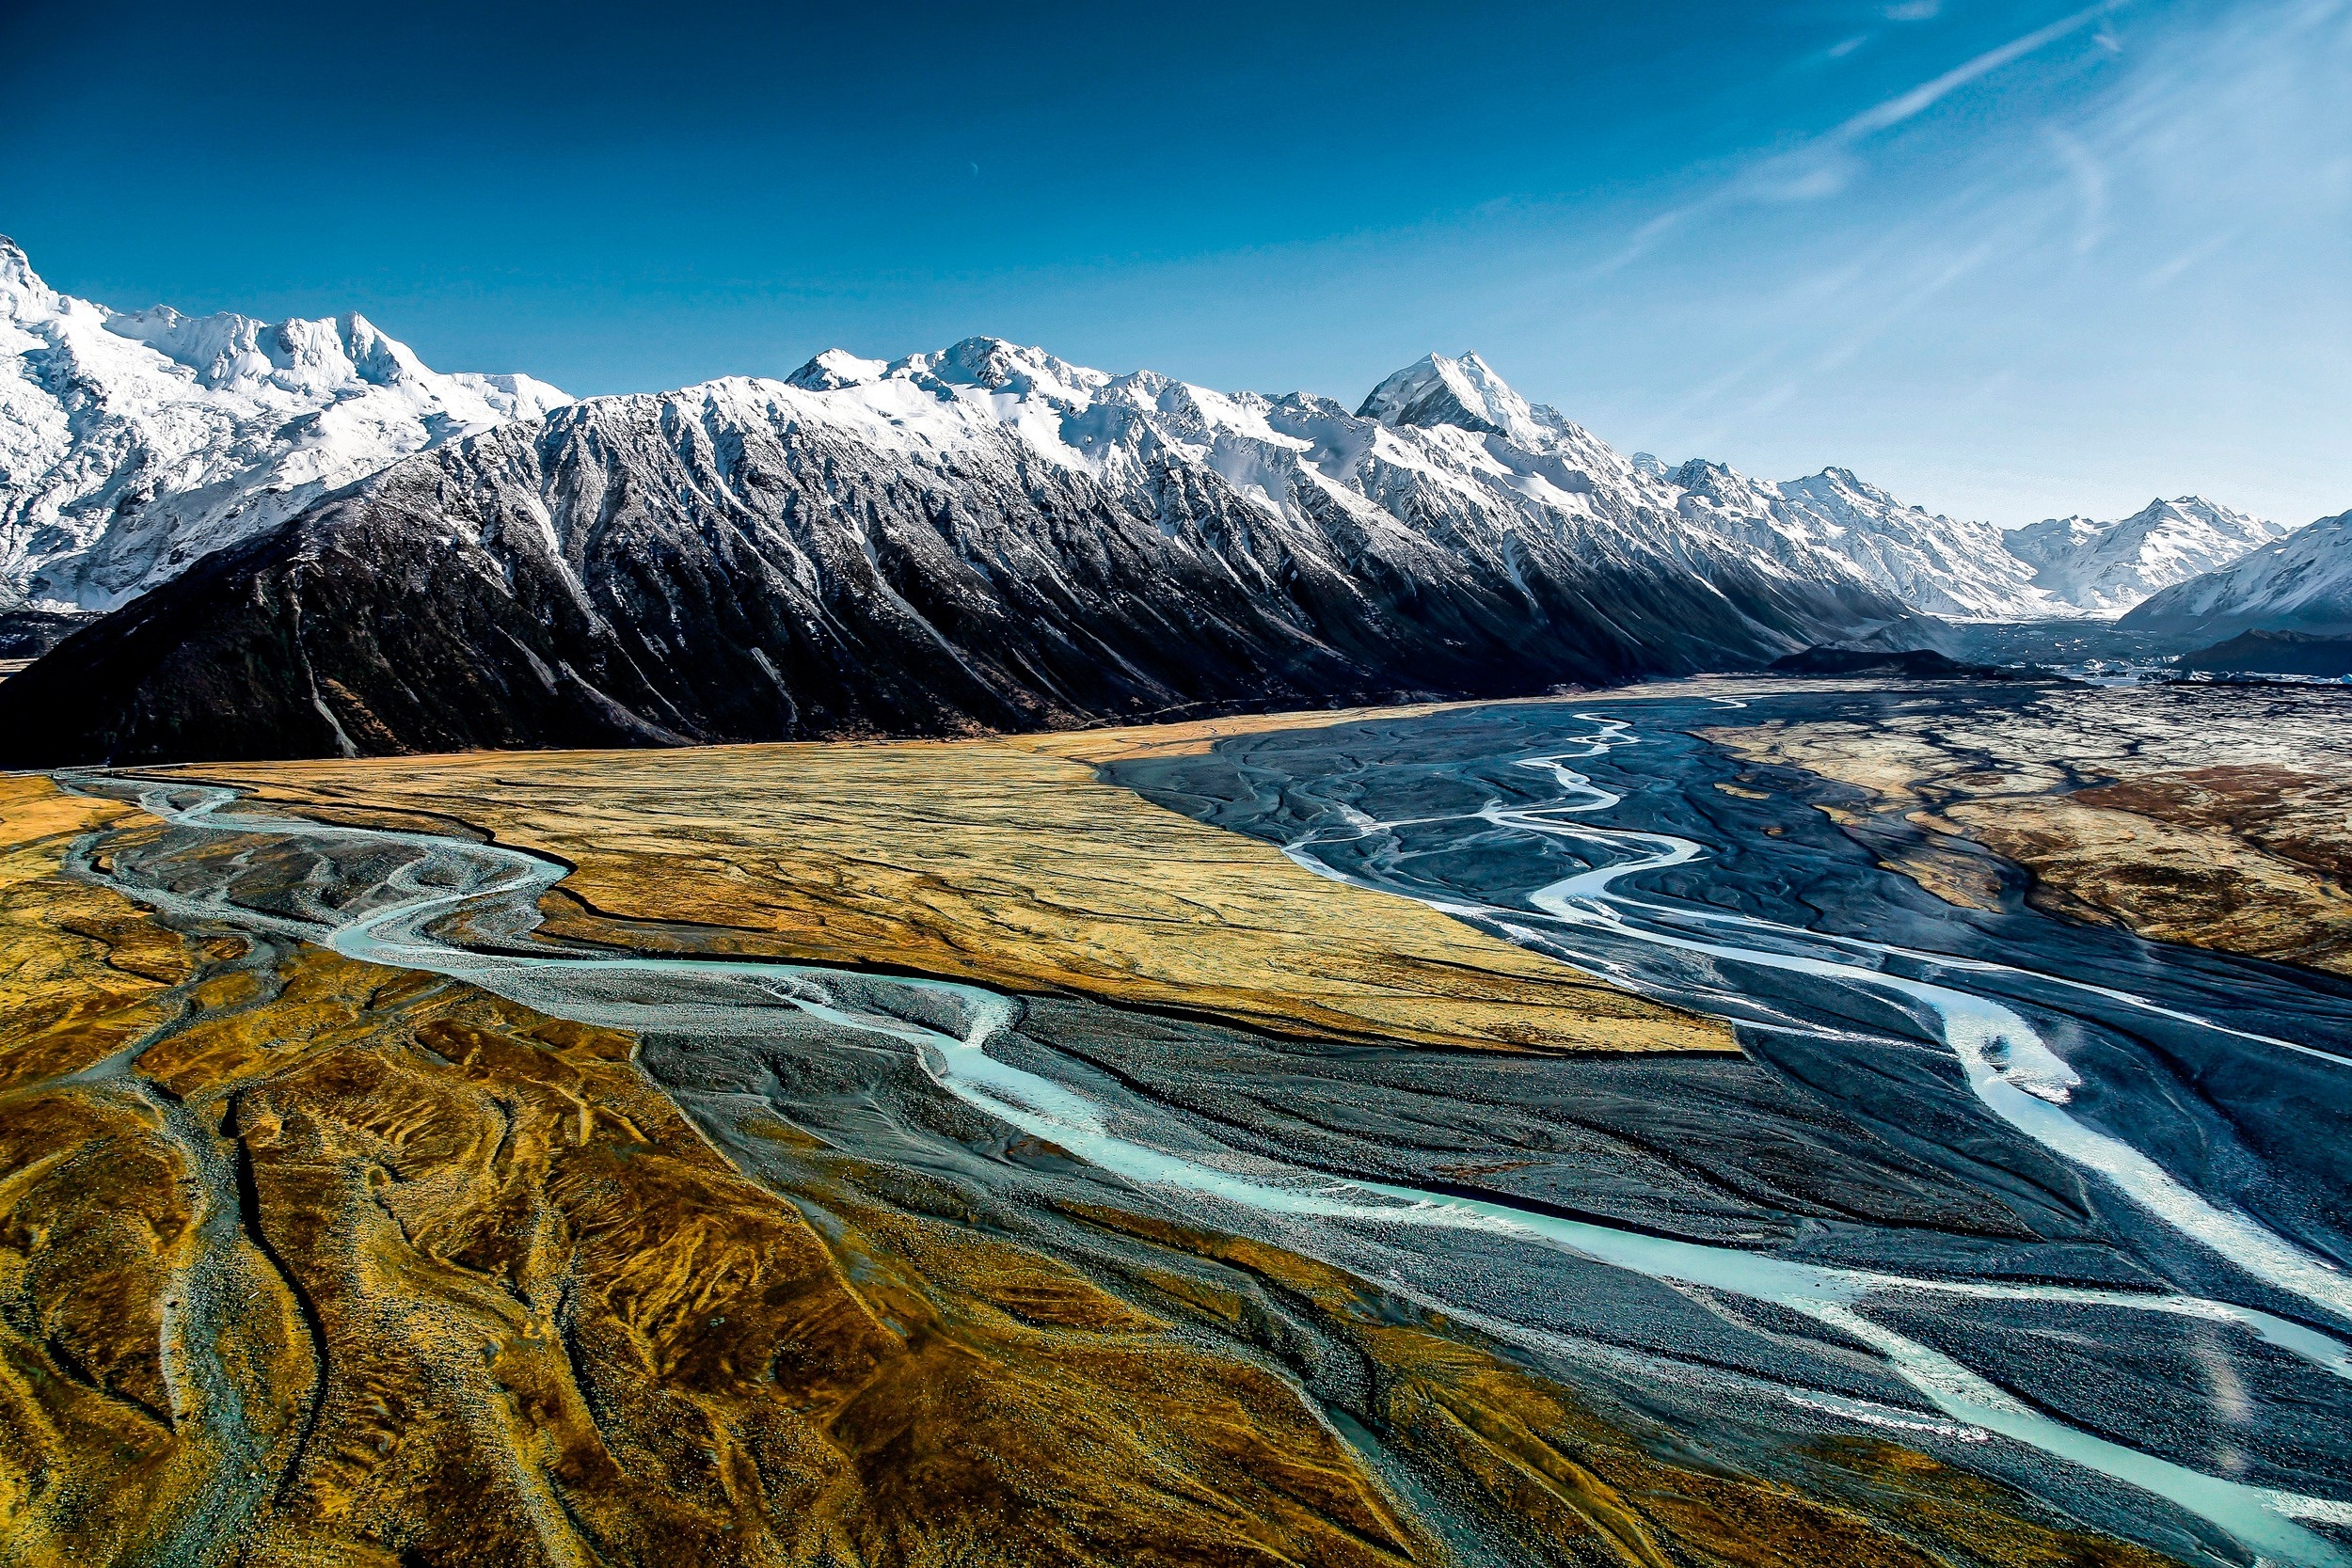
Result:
2049,1201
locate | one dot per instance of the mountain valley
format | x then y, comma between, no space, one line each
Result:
964,960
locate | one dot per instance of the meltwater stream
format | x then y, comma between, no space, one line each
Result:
949,1027
2008,1065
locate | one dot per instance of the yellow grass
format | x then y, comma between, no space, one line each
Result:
999,862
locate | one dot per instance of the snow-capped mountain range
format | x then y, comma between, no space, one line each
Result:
2106,568
131,443
982,537
2301,583
1929,562
1945,567
310,541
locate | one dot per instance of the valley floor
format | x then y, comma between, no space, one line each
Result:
2218,816
1208,1144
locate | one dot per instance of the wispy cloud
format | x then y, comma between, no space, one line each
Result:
2203,251
1905,105
1939,275
2007,270
2091,184
1826,165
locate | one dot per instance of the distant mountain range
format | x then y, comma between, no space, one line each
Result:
1932,564
312,543
2301,583
985,537
2106,568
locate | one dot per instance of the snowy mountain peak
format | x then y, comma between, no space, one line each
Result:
1845,481
1464,392
20,288
2301,582
998,366
2107,567
307,357
2197,512
133,442
1936,563
1709,479
835,369
375,358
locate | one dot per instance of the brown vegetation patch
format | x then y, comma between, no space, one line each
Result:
82,973
1581,1489
2211,817
2206,887
2291,812
386,1268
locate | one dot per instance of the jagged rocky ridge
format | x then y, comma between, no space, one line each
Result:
984,537
2302,583
133,443
1937,565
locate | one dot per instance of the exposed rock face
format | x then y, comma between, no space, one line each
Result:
30,633
2302,583
984,538
133,443
2276,653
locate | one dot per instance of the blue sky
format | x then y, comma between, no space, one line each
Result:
2008,258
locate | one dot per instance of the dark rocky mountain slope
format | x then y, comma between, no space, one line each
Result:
985,538
2274,653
